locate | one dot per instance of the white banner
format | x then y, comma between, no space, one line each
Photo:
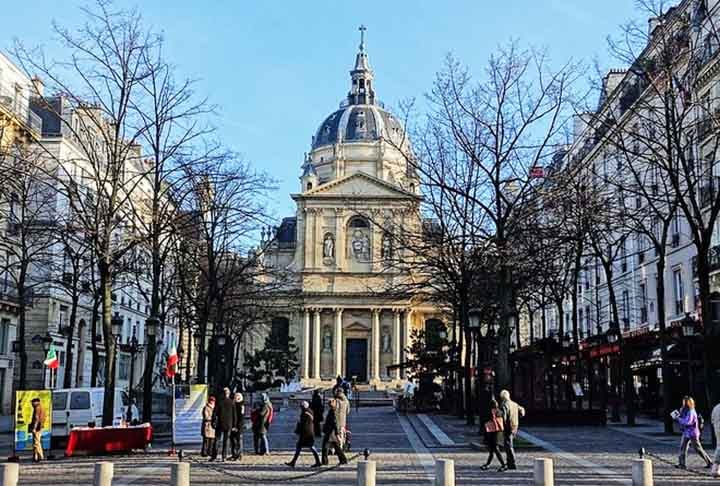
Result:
189,402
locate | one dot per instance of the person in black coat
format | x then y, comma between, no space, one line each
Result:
236,436
317,407
331,435
225,422
493,436
305,431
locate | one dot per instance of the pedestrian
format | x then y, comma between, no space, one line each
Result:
224,421
208,428
236,437
305,430
261,418
494,435
133,415
342,410
37,423
510,413
715,419
318,408
687,417
331,435
338,384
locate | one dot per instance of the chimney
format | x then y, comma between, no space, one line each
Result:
38,86
653,22
612,79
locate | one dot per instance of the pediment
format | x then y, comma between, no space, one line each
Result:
359,184
356,326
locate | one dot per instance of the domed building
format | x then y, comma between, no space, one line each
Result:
356,187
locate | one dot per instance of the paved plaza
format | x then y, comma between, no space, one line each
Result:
405,449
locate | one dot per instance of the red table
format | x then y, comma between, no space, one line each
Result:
98,440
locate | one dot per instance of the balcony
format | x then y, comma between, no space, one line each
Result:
13,105
708,192
713,261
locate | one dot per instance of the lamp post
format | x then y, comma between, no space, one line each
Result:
220,340
47,341
151,325
133,347
474,315
689,331
614,336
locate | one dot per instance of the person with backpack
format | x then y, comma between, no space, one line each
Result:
690,424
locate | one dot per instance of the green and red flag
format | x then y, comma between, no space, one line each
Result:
51,360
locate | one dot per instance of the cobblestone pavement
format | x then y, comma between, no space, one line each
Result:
405,449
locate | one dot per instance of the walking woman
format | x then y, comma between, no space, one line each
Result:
493,436
305,431
689,424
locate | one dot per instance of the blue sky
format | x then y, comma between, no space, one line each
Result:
277,68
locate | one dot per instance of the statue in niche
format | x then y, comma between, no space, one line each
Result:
386,342
329,246
361,246
327,340
386,247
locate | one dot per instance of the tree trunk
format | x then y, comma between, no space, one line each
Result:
703,274
665,366
21,338
95,365
503,337
109,389
67,381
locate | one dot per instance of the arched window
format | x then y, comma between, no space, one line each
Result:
309,186
358,222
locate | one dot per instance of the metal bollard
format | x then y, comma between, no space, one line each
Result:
180,474
9,474
366,473
543,474
642,472
444,472
103,474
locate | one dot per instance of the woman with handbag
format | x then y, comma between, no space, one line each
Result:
493,436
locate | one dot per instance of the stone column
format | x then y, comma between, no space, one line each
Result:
375,335
316,346
307,237
338,342
397,345
406,339
306,345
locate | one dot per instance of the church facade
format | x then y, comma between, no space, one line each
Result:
356,187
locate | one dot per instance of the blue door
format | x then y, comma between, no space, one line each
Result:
356,359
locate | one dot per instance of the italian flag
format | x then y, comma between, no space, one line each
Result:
51,360
171,361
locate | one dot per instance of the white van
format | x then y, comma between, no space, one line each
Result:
82,407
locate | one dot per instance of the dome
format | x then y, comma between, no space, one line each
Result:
360,117
357,123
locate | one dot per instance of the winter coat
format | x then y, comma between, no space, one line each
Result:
239,423
261,422
37,422
208,428
305,429
689,424
225,414
341,411
493,438
330,428
511,413
317,408
715,419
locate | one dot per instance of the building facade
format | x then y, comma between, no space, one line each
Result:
356,188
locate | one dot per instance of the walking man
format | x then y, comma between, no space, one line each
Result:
342,409
331,435
305,431
35,428
224,420
510,412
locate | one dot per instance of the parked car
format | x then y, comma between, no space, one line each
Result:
82,407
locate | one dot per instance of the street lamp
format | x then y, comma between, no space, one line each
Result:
116,324
689,330
688,326
474,316
133,347
567,341
151,325
47,341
